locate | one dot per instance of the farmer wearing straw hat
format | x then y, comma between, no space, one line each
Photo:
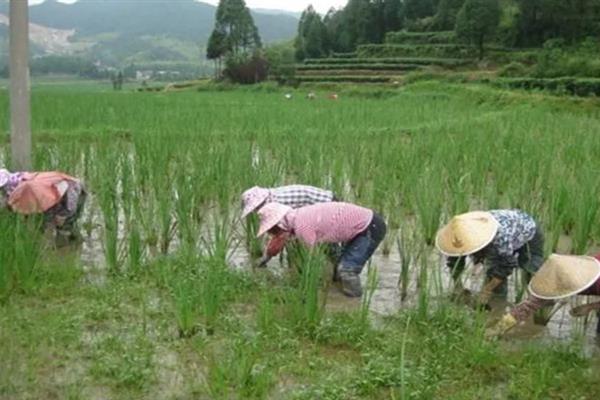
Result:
294,196
358,228
559,278
59,197
505,239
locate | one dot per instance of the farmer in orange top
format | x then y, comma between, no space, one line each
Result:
59,197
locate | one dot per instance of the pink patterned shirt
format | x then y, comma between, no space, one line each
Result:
327,222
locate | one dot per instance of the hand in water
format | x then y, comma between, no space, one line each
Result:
501,327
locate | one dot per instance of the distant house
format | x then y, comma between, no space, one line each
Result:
143,75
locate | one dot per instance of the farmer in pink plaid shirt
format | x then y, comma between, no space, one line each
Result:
294,196
359,229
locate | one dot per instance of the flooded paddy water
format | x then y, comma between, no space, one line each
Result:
386,298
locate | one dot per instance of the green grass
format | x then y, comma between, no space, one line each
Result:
166,317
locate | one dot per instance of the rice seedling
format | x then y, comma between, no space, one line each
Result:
109,206
253,244
588,208
212,284
307,300
423,284
370,287
265,313
186,211
404,244
240,370
428,203
186,298
20,253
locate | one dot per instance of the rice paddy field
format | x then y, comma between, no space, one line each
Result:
161,300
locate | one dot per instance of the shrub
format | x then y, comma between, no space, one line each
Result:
422,50
568,85
282,66
246,70
557,60
344,55
403,37
345,78
514,69
375,67
444,62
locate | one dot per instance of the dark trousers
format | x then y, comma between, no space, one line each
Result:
357,252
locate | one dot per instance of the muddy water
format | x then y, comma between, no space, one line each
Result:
386,299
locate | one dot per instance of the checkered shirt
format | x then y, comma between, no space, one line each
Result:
297,196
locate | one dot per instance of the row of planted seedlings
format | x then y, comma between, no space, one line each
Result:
156,194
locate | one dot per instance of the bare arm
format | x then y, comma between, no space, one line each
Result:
275,246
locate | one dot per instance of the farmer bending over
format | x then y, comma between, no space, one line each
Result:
58,196
358,228
294,196
505,239
559,278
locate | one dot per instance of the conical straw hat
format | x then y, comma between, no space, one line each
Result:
467,234
563,276
270,215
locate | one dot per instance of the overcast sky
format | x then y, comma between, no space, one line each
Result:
293,5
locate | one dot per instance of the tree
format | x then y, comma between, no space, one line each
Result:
234,32
445,17
216,49
540,20
336,35
359,23
477,21
393,12
312,40
417,9
282,62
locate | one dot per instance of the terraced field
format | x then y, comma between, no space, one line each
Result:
388,62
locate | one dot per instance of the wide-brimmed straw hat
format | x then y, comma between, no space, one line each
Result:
4,177
270,215
563,276
252,199
466,234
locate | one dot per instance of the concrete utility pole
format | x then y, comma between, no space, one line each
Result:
20,124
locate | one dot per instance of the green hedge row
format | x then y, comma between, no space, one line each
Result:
421,50
402,37
350,72
345,78
566,85
374,67
344,55
444,62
